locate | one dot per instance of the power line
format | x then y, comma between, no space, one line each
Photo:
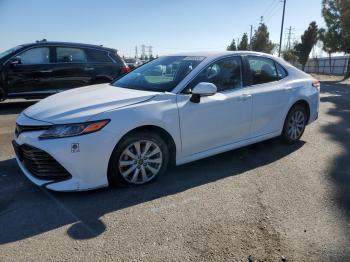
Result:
267,11
273,14
271,9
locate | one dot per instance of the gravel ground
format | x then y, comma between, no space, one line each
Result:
265,202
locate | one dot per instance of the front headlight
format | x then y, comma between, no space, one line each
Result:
58,131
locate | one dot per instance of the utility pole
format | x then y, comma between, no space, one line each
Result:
136,52
250,37
150,51
284,9
143,51
289,36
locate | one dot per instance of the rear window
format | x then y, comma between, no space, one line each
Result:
70,55
98,56
282,73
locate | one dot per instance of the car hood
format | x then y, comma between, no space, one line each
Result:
80,104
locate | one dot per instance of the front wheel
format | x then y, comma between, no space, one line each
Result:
138,159
294,125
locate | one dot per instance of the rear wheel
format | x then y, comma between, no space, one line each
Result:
294,125
2,94
138,159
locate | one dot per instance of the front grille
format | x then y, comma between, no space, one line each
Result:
20,129
40,164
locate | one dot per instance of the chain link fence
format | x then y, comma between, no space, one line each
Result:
325,65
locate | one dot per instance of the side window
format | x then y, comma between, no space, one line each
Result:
262,70
225,74
98,56
68,55
39,55
280,71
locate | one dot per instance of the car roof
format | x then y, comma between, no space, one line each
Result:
220,53
41,43
212,55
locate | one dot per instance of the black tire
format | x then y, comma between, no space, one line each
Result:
2,95
114,175
287,136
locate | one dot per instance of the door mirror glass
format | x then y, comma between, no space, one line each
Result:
203,89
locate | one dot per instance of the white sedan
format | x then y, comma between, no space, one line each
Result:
128,132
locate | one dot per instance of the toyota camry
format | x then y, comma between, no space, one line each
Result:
172,110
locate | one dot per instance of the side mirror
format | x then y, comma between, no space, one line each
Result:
202,89
15,61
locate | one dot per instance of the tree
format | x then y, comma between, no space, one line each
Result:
330,40
308,40
261,40
232,46
243,45
336,14
289,55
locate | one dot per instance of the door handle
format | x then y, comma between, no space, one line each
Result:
89,68
245,97
288,89
46,71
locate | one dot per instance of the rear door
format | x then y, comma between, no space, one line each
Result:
269,92
101,67
70,68
32,74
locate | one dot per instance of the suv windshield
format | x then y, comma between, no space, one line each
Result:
10,51
161,74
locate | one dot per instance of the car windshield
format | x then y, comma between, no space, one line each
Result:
162,74
9,51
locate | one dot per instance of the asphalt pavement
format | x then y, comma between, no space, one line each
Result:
265,202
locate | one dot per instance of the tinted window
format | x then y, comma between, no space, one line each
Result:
262,70
67,55
225,74
161,74
280,71
39,55
98,56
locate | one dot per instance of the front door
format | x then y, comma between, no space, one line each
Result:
31,75
220,119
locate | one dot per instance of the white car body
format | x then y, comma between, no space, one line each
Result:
221,122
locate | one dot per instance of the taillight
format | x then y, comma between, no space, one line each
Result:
125,69
316,84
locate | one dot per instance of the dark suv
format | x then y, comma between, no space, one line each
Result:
43,68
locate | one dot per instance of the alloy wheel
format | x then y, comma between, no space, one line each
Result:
296,125
140,161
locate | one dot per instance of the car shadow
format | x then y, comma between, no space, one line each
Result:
339,133
15,107
29,211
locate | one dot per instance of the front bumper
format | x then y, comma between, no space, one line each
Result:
86,165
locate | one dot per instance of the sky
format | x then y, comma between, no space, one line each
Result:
170,26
